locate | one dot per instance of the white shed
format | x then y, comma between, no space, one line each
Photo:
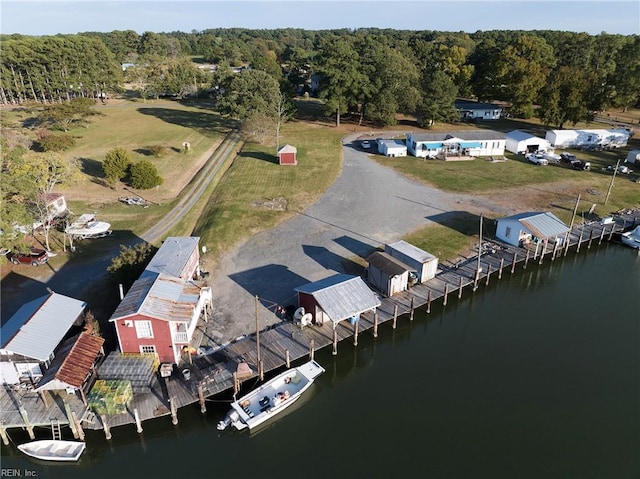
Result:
521,142
633,157
392,148
531,227
425,264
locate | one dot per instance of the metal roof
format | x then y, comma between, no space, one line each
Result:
388,264
469,135
412,252
392,143
173,256
542,225
37,328
341,296
72,364
519,135
161,297
474,105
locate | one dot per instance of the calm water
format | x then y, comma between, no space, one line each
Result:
535,376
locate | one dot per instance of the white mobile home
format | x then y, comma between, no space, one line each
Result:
392,148
531,227
425,264
468,143
521,142
474,111
614,138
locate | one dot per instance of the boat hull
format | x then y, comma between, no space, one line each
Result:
272,398
53,450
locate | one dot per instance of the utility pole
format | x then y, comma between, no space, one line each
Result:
611,185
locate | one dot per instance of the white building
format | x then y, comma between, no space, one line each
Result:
531,227
468,143
392,148
474,111
615,138
425,264
521,142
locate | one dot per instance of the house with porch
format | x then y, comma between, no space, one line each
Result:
31,337
456,145
531,228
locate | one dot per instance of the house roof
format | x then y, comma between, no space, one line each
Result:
37,328
519,135
542,225
467,135
287,149
388,264
341,296
73,362
474,105
412,251
161,297
173,256
392,143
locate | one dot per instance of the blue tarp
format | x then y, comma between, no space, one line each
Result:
470,144
431,145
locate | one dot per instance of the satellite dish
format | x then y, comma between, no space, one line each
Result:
204,249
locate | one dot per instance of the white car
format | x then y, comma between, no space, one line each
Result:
537,159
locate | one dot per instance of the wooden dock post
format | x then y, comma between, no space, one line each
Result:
137,418
287,359
544,250
460,288
236,385
513,263
580,242
335,341
526,260
261,369
395,316
613,226
4,435
535,254
78,426
500,268
174,413
590,239
355,332
411,313
555,250
428,301
446,293
488,274
72,424
601,235
312,349
105,426
25,418
375,324
203,406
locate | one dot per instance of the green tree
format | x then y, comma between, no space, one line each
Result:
63,116
439,96
56,142
130,263
626,80
116,165
563,99
248,93
144,175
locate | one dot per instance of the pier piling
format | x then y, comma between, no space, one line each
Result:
203,407
488,274
411,312
375,324
395,316
137,418
500,268
312,349
287,359
460,288
105,426
428,301
335,341
513,263
355,332
446,293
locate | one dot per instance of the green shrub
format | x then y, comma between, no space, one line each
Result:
158,150
56,142
144,175
116,164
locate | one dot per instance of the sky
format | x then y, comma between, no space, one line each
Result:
50,17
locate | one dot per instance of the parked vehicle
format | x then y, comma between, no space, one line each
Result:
366,144
537,159
581,165
568,157
35,257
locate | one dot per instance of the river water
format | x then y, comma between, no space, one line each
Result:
534,376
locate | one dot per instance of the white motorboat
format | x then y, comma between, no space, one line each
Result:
53,449
271,398
631,238
86,226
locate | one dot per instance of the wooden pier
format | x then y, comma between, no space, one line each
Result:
279,346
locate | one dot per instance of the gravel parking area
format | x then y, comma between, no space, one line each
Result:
368,206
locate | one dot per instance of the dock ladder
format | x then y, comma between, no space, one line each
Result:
55,430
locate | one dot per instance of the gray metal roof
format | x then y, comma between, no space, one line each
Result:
173,255
542,225
393,143
519,135
412,251
388,264
161,297
486,135
341,296
37,328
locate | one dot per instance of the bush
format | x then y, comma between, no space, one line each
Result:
144,175
158,150
56,142
116,164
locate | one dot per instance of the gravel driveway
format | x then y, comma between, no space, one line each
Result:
367,206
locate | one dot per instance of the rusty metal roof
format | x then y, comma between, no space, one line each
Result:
388,264
162,297
72,363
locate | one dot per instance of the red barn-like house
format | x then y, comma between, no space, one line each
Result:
287,155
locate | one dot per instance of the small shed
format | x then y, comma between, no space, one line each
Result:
287,155
337,298
392,148
633,157
521,142
424,264
387,274
531,227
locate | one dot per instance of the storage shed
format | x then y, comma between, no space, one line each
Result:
531,227
392,148
633,157
337,298
287,155
521,142
424,264
387,274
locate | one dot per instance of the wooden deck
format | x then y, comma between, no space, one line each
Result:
213,374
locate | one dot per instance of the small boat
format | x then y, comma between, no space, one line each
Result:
271,398
86,226
53,449
631,238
